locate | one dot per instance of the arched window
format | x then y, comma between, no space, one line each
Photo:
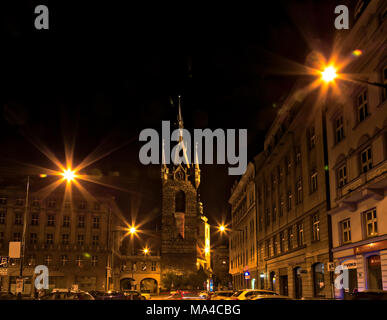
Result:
180,201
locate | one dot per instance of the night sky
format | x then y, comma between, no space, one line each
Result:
102,73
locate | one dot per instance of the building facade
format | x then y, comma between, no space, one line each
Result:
185,232
292,220
70,238
220,267
242,243
357,148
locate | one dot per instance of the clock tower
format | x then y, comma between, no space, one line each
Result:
181,213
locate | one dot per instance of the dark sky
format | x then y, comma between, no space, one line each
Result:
104,72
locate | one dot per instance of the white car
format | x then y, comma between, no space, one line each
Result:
247,294
270,297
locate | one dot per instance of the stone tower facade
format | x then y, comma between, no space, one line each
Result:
181,215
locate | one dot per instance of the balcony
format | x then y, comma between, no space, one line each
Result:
372,183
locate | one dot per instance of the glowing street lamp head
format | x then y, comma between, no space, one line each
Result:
207,250
222,228
132,230
145,250
329,74
68,175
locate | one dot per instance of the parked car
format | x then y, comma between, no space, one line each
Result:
134,295
370,295
185,295
69,295
4,295
222,295
146,294
270,297
247,294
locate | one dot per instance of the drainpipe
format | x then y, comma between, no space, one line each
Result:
327,192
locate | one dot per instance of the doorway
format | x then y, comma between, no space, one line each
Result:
374,273
284,285
297,283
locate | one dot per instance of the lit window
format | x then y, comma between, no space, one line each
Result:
290,238
313,182
300,234
316,227
78,261
299,192
47,260
94,260
289,201
346,231
63,260
81,240
371,223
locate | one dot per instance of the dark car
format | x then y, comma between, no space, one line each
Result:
185,295
67,296
370,295
110,295
134,295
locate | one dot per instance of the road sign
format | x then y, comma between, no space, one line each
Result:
4,261
247,275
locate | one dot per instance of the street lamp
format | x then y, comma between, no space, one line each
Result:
68,175
329,74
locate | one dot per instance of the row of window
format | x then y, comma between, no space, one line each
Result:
50,203
64,260
143,266
50,220
284,241
365,165
370,224
49,239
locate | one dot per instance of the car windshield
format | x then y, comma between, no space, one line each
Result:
266,293
224,294
237,293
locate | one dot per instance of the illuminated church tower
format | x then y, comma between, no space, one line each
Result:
183,222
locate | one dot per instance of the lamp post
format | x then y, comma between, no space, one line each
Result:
23,240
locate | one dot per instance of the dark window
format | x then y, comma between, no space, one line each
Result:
180,201
339,129
366,160
362,106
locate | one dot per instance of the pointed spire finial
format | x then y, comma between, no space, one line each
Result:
179,117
